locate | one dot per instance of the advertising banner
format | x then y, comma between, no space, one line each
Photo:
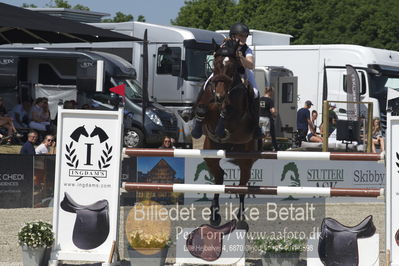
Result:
353,92
87,182
348,174
16,181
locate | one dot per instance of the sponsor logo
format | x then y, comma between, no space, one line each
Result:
7,61
84,166
86,64
290,172
368,177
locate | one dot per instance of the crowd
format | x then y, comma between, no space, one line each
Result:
31,121
309,131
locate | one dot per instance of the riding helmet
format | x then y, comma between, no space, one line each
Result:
239,28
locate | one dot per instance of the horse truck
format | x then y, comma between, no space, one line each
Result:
378,71
73,75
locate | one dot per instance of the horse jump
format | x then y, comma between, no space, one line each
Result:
258,190
279,155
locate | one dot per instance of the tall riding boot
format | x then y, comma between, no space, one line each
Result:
255,114
200,112
196,132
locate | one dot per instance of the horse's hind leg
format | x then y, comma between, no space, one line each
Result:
218,173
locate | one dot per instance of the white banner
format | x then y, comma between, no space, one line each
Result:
87,181
347,174
392,189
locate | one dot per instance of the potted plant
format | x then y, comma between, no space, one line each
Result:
35,238
279,251
148,249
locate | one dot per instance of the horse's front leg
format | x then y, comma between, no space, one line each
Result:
245,174
218,173
200,110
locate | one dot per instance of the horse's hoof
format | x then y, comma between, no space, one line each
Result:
242,225
215,221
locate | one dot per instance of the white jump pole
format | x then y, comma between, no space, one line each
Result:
259,190
280,155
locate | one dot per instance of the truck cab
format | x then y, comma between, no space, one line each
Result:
71,75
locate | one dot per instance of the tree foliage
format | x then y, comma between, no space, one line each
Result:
119,17
25,5
363,22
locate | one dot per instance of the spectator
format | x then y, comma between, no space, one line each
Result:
314,137
47,146
20,114
40,115
377,138
3,110
69,104
267,112
304,124
28,147
7,123
332,118
166,144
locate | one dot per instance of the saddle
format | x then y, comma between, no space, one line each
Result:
91,227
206,241
338,243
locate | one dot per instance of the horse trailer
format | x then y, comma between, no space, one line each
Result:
72,75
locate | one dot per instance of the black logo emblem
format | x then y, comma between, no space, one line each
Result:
73,160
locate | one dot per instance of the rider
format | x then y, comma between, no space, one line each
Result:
238,32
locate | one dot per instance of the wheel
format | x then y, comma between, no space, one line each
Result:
133,138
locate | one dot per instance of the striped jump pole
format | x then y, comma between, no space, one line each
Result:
259,190
279,155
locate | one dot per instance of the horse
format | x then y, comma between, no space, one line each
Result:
225,99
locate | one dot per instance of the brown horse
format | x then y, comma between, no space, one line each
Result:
225,99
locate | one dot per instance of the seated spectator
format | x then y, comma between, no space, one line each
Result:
7,123
20,114
28,147
312,134
40,115
47,146
166,144
377,138
3,110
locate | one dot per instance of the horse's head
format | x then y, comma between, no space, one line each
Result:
227,68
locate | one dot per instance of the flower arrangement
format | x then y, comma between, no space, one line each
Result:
139,239
36,234
279,245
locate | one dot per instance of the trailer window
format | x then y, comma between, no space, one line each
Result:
199,64
167,59
287,93
362,83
